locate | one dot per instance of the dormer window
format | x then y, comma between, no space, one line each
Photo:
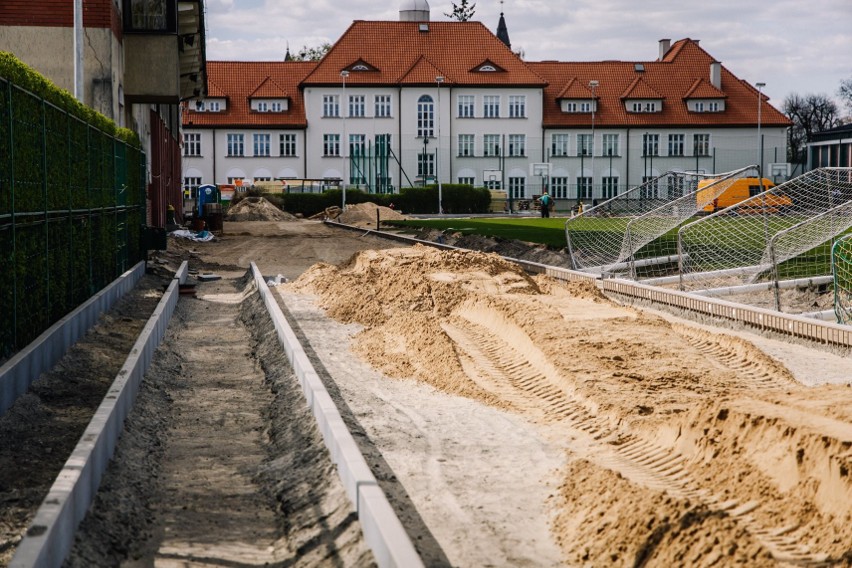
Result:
580,107
360,67
644,106
269,105
207,106
488,68
706,105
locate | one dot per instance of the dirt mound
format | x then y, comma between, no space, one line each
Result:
256,209
364,214
687,447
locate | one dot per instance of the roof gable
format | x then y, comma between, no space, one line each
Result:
639,89
361,66
214,90
487,66
703,89
268,89
575,90
421,72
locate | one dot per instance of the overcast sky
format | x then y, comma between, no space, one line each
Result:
794,46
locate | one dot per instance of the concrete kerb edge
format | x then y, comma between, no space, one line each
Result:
50,535
383,531
18,373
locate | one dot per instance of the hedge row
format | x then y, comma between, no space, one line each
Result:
72,202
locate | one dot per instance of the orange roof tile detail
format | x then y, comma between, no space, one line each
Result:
671,78
240,80
268,89
639,89
703,89
576,90
421,72
454,49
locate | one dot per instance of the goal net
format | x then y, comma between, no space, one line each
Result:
627,235
782,233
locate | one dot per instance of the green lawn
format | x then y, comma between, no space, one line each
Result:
550,232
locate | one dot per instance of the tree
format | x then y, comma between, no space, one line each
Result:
312,53
461,11
845,93
810,114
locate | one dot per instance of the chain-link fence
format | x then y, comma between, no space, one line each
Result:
72,204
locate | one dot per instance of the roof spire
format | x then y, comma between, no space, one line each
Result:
502,31
287,56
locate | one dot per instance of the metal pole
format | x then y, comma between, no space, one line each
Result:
759,138
344,74
439,79
593,85
78,50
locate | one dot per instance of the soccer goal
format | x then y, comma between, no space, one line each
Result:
627,235
841,268
783,234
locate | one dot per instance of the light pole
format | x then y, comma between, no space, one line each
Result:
344,74
439,79
759,139
593,85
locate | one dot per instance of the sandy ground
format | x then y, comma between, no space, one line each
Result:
513,421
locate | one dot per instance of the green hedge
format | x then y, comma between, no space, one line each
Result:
72,202
457,198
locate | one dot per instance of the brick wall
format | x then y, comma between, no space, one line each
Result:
59,13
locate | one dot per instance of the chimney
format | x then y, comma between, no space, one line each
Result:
665,44
716,74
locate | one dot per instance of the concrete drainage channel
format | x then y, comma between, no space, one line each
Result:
50,536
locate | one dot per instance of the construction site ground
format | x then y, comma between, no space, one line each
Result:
511,420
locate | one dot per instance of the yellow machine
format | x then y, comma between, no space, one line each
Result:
739,190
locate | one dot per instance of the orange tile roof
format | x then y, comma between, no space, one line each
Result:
673,78
575,90
639,89
703,89
402,54
241,80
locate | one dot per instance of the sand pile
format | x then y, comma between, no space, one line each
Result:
688,447
256,209
364,214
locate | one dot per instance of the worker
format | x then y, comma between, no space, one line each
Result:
546,202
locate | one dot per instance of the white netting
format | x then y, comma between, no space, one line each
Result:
841,266
782,233
626,235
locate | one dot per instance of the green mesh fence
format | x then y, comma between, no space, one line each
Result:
72,204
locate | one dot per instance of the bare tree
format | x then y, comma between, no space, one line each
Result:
845,94
810,114
312,53
461,11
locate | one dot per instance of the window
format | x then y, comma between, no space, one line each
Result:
275,107
262,107
213,106
584,187
149,15
330,105
650,188
356,105
559,145
235,145
517,144
701,144
570,107
517,106
584,145
261,144
467,180
261,178
517,187
190,186
331,144
357,144
491,144
610,186
676,185
699,107
650,144
383,106
192,144
465,106
610,144
676,144
199,105
466,144
491,106
559,187
287,144
585,107
713,107
648,106
425,117
233,180
426,165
